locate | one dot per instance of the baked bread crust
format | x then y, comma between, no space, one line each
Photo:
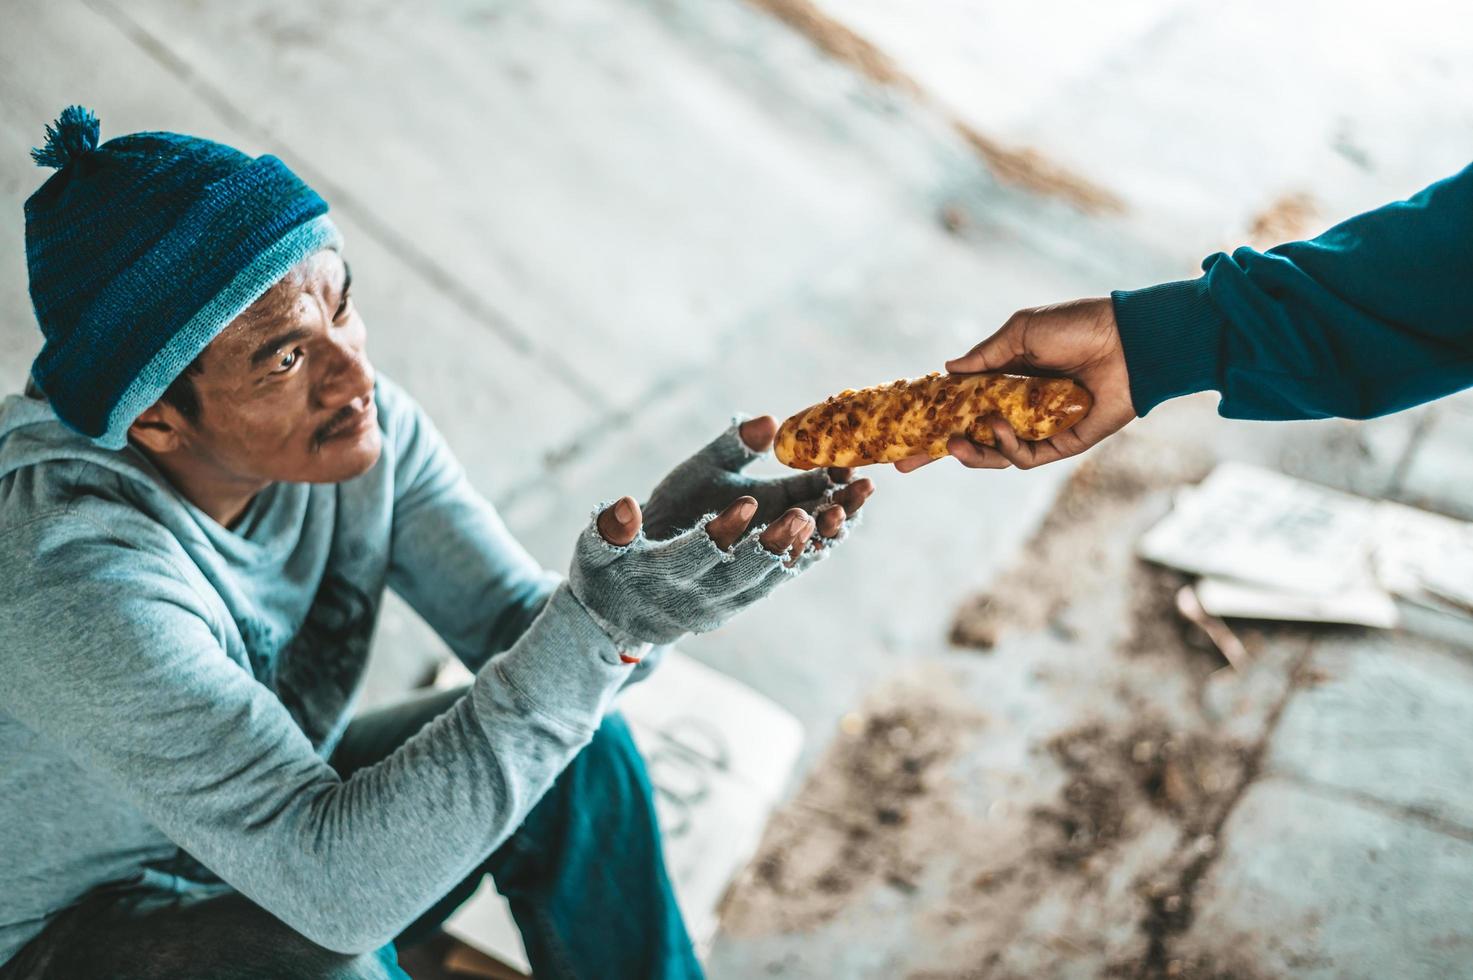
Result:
890,422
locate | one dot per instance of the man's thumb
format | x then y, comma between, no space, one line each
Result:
619,524
996,353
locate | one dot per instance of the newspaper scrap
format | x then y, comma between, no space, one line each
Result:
1363,605
1269,546
1424,558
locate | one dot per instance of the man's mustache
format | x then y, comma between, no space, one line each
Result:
328,429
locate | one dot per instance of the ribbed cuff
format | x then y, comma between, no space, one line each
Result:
1172,338
565,665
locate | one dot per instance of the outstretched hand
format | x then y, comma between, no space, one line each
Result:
1077,340
709,542
619,524
794,508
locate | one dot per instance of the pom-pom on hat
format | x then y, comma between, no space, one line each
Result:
140,251
74,135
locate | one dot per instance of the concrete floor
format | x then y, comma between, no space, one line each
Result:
583,234
1201,117
1095,795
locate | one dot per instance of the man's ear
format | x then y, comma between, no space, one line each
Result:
158,429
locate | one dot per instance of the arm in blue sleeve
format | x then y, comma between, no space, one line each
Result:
1373,316
107,650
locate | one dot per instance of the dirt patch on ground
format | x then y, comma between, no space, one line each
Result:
1025,167
1186,775
1157,627
1195,968
1185,968
876,809
1289,218
1085,848
839,42
1190,777
1105,492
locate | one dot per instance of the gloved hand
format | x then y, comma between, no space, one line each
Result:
687,568
713,478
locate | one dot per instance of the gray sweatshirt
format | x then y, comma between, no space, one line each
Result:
170,689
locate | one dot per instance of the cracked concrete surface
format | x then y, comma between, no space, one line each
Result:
1195,115
583,234
1102,809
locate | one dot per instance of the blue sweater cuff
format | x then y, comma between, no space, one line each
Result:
564,665
1172,337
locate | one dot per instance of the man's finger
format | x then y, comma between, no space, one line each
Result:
973,456
841,474
619,522
852,497
1026,455
912,463
800,542
781,533
829,521
1002,351
729,525
796,490
758,433
1012,365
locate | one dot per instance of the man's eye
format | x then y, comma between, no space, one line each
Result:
288,361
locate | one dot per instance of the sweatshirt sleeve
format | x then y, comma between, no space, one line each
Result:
108,651
1373,316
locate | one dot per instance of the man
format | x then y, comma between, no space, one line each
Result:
1373,316
205,492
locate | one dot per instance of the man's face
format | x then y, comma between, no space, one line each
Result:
286,390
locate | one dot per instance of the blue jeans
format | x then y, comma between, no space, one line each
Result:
584,875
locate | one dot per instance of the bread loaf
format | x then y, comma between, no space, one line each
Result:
890,422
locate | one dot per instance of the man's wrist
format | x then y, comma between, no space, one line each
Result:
630,649
564,664
635,654
1172,337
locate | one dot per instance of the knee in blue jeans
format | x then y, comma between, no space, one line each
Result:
380,965
605,785
610,758
614,739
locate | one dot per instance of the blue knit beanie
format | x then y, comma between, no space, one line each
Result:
140,251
